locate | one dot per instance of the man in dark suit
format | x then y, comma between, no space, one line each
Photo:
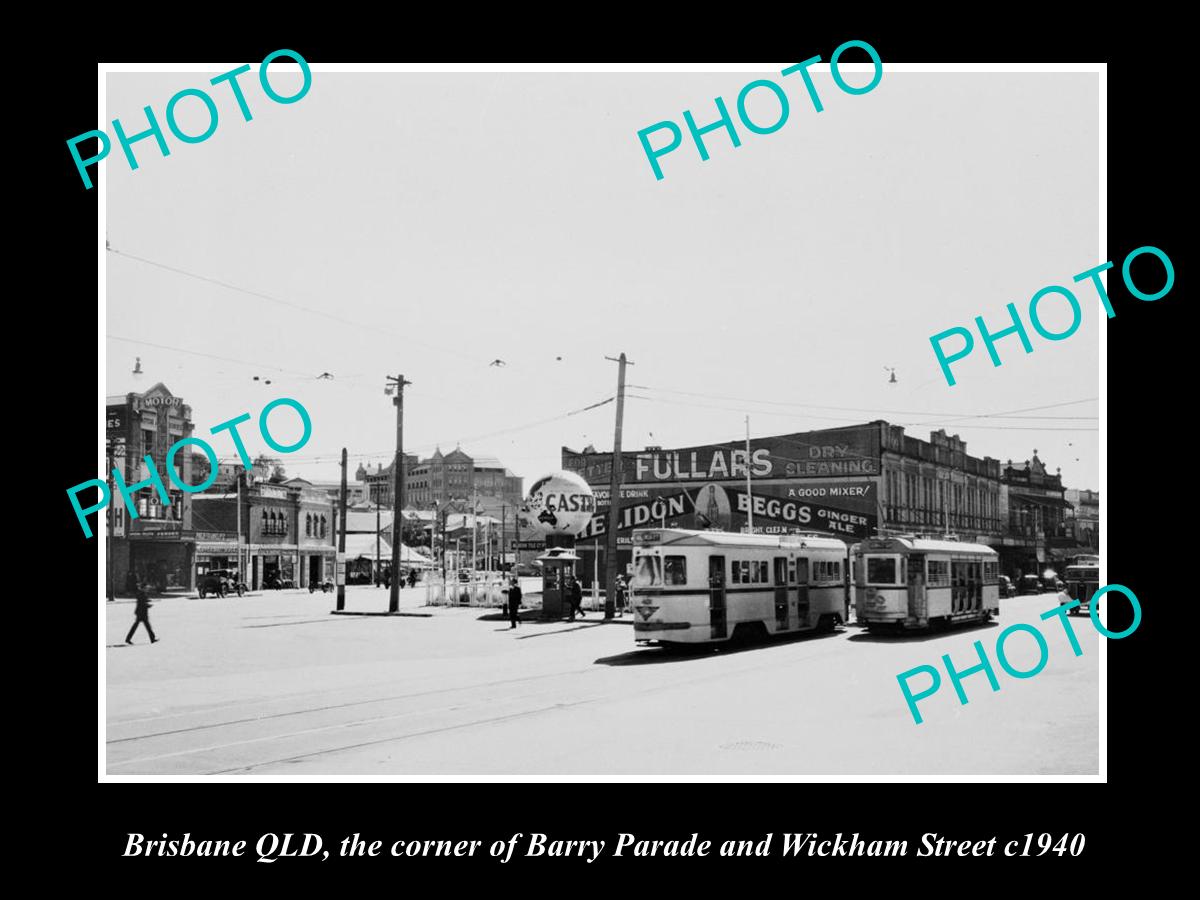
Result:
514,603
141,615
574,596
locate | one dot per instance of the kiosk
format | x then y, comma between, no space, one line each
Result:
557,563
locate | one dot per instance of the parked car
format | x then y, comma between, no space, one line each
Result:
1007,588
1029,584
275,582
220,582
526,570
325,586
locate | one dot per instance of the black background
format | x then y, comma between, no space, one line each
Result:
1146,509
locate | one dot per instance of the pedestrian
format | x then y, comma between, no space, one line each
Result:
387,578
412,578
141,615
574,596
622,592
514,603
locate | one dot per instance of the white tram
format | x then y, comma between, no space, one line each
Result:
696,587
912,582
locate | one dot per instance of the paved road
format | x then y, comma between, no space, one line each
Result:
273,684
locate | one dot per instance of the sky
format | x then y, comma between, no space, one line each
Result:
431,223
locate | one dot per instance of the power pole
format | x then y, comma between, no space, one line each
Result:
503,529
109,536
398,494
341,557
377,538
749,497
614,492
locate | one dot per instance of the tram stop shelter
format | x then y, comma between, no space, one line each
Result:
557,563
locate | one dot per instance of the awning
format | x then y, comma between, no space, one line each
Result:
1052,502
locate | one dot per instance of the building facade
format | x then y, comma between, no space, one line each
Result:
1035,513
278,531
442,478
1083,518
156,548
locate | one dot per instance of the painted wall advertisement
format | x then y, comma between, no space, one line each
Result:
832,452
844,509
705,487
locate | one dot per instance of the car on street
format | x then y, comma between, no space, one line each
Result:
276,582
219,582
1029,584
1007,588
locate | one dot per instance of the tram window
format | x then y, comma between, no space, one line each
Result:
674,570
647,571
881,570
939,572
837,570
745,567
763,577
802,571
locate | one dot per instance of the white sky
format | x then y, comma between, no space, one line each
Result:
440,221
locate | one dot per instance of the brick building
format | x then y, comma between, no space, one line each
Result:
157,547
287,531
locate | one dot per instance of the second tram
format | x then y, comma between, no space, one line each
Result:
906,582
696,587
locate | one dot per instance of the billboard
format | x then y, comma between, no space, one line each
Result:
842,509
831,452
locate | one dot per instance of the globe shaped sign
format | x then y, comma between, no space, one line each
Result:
559,503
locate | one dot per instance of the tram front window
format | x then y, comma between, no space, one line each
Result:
659,571
647,571
881,570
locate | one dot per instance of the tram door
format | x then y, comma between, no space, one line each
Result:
917,600
781,593
716,597
801,592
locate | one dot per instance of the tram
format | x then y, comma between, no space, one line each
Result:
699,587
1082,580
907,582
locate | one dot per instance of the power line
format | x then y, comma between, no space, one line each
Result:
372,328
871,409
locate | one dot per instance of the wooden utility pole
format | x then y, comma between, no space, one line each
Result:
341,555
398,494
377,537
614,493
749,496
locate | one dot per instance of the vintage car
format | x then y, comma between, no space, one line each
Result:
325,586
1007,588
219,582
276,583
1029,584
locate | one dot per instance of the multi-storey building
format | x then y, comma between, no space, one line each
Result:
286,531
156,548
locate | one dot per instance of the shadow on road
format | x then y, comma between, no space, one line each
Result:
684,652
916,637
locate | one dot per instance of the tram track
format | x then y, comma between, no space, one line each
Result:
214,757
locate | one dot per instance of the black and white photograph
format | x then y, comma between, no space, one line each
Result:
604,422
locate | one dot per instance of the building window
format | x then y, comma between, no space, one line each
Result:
322,526
308,525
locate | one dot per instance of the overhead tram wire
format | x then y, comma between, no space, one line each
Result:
873,409
810,416
336,457
373,329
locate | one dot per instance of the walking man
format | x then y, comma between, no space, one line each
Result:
514,603
141,615
574,596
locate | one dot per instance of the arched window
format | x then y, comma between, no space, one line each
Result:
322,526
266,523
308,525
273,528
